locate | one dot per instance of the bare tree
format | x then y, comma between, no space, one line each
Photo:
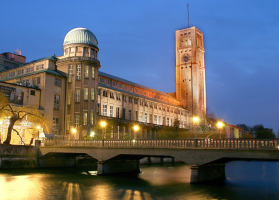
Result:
17,114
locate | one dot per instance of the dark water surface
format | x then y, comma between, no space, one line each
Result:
245,180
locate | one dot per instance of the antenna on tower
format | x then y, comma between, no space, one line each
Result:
188,14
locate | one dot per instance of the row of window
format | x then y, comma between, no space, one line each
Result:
142,102
93,52
77,95
142,116
77,120
21,71
78,72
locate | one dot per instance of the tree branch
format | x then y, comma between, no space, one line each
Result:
18,135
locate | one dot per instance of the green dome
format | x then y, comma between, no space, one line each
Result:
81,36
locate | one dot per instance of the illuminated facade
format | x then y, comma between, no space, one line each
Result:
74,93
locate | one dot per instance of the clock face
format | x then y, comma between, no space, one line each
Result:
185,58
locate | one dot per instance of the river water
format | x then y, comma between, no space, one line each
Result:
245,180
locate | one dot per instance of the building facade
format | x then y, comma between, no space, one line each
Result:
75,94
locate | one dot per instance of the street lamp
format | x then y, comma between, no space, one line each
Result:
220,125
195,121
103,125
74,130
136,128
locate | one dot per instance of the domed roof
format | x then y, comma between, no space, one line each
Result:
80,35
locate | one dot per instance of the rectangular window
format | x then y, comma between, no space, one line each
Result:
92,118
86,94
84,118
155,119
76,120
57,82
111,111
77,96
130,99
55,126
78,76
130,114
68,123
140,118
117,112
168,122
86,71
70,72
159,120
150,118
118,97
145,117
105,93
93,72
69,98
135,101
38,80
56,101
123,113
32,92
164,121
137,116
105,110
92,94
111,95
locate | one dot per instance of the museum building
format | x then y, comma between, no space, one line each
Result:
70,89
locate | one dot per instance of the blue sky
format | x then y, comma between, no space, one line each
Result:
137,43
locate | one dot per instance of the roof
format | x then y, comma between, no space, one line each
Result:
134,84
49,71
80,35
33,61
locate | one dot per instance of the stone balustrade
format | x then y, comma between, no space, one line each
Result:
261,144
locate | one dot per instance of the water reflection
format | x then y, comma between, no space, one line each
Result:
245,180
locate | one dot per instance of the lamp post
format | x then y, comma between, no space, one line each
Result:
220,125
103,125
38,128
74,130
195,121
136,128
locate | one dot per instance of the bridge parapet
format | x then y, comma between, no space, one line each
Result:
260,144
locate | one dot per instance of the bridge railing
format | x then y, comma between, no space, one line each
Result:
267,144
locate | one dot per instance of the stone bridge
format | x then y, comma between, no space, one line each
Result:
207,156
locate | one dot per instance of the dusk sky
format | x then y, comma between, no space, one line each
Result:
137,43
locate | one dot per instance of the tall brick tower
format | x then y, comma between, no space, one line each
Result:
190,70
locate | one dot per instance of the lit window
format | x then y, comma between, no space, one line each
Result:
56,102
85,93
105,110
111,111
76,120
68,123
77,96
93,72
92,118
92,94
69,98
55,126
70,72
86,71
84,118
78,77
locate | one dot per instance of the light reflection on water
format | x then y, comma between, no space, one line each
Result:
245,180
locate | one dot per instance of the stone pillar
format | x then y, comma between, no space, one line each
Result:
37,152
118,167
205,173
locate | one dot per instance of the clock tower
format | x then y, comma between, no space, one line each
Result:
190,70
